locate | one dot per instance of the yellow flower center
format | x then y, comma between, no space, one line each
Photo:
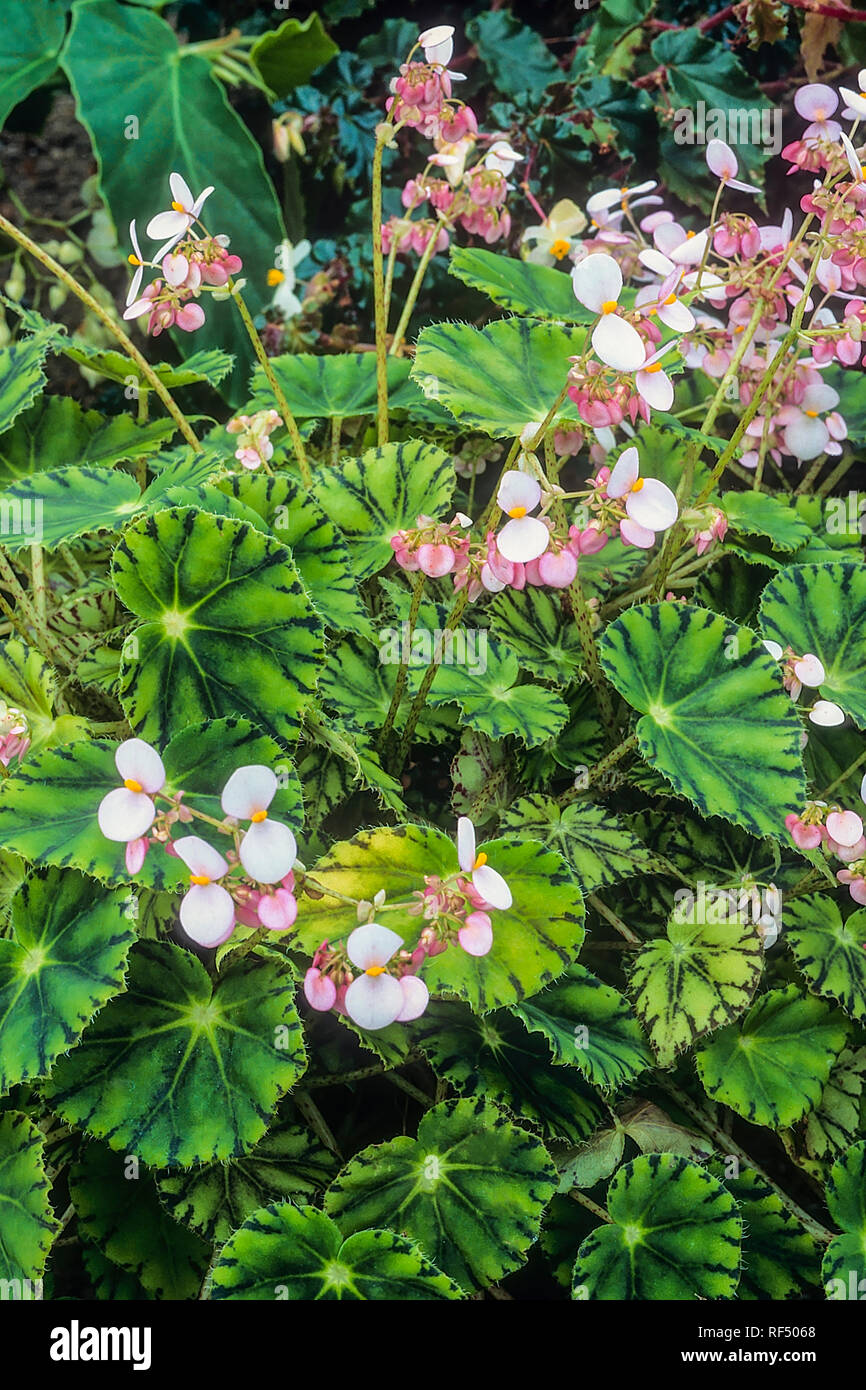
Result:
131,785
623,191
517,512
201,880
671,299
178,207
689,235
560,248
609,306
812,414
375,970
480,861
820,114
275,277
258,816
637,485
653,367
133,260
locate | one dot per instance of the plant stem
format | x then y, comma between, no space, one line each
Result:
843,777
37,583
590,1205
315,1119
602,768
336,427
144,367
380,311
429,676
400,682
414,291
279,394
616,922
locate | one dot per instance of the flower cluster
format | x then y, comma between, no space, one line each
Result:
254,446
840,832
372,979
14,733
191,262
806,671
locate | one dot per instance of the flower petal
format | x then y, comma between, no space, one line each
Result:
845,827
618,344
597,280
248,790
805,438
374,1001
518,490
523,539
319,990
654,507
810,672
207,914
826,714
656,388
476,937
416,997
465,844
268,851
625,473
636,535
492,887
278,911
137,761
167,224
181,191
124,815
200,857
372,944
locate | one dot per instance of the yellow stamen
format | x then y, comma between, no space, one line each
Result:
275,277
133,260
375,970
689,235
178,207
609,306
812,414
131,785
258,816
671,299
201,879
653,367
480,861
560,248
637,485
624,204
623,191
517,512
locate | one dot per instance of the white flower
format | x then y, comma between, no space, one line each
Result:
826,714
653,384
128,812
207,912
554,236
524,537
282,276
268,849
722,162
597,283
375,998
855,101
438,44
136,260
649,504
486,881
609,197
184,211
845,827
805,434
851,155
502,157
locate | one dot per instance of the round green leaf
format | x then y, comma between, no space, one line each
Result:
65,959
534,625
717,721
215,1198
589,1025
533,940
835,1124
495,1056
519,286
780,1258
492,699
760,514
598,845
180,1071
328,385
831,953
471,1189
228,629
674,1234
822,609
772,1066
287,1252
29,1225
54,508
698,977
118,1209
844,1267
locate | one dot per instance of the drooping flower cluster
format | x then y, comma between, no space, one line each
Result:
14,733
254,445
192,262
840,833
372,979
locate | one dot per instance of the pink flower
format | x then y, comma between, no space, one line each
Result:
268,849
377,998
722,162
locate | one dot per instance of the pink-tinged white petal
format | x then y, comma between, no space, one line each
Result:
773,648
319,990
492,887
691,250
518,490
249,791
810,672
438,44
656,388
597,280
374,1001
278,911
268,851
654,507
476,936
136,761
855,101
136,852
820,397
523,539
171,225
200,858
851,155
465,844
372,945
721,160
416,997
175,268
125,815
137,308
618,344
826,714
189,317
677,316
815,101
180,191
625,474
805,438
207,914
845,827
655,261
637,535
